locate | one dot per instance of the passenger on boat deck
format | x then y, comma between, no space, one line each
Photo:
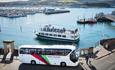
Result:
48,29
49,25
52,29
76,30
57,30
72,31
84,19
44,29
64,29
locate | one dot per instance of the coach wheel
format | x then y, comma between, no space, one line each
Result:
63,64
33,62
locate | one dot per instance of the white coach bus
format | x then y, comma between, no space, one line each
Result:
64,55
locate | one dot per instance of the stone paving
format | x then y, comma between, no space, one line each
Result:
17,65
102,56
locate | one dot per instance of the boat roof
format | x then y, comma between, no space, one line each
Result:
49,46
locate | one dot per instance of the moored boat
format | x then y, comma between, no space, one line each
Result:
55,11
49,32
87,21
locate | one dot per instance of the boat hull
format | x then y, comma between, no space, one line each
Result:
87,22
57,39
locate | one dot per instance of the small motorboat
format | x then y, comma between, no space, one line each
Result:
87,21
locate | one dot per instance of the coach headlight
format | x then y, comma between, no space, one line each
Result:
74,56
77,53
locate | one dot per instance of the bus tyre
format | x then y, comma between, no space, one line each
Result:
63,64
33,62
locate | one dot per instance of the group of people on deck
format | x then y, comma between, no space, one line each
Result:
50,28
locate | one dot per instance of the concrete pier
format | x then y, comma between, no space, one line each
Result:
110,17
101,17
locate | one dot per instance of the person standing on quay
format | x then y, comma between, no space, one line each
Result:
87,59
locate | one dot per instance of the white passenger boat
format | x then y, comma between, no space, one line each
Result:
49,32
55,11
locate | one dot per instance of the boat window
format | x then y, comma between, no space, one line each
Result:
55,35
72,36
75,36
46,33
50,34
42,33
59,35
72,32
63,35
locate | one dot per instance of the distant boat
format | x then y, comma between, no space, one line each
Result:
87,21
15,15
49,32
54,11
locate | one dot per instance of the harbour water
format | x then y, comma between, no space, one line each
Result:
21,29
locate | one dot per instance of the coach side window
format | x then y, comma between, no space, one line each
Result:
67,51
64,52
22,51
39,51
27,51
33,50
47,52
